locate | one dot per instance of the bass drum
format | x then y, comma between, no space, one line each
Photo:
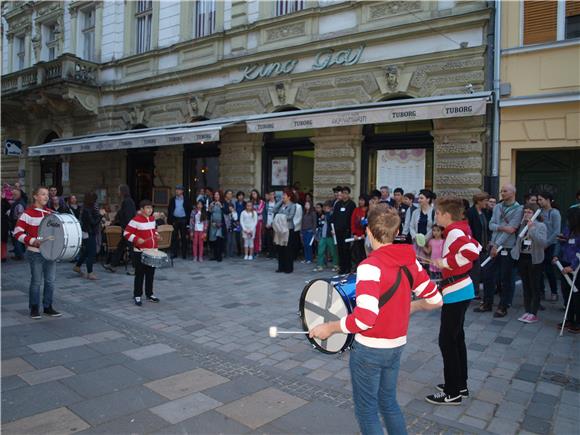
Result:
61,237
326,300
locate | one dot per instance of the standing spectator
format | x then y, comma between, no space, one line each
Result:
531,198
57,205
341,218
283,227
41,269
505,221
295,235
232,221
401,207
386,196
358,225
553,221
566,251
269,220
53,193
259,205
217,227
198,229
434,249
337,191
478,218
528,252
409,201
178,214
309,220
422,219
240,207
126,212
90,219
5,230
23,194
326,245
73,206
201,196
16,209
249,223
229,241
491,203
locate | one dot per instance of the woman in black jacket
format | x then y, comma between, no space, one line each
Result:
5,228
91,225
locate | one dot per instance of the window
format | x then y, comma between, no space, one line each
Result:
51,41
540,21
88,34
285,7
572,22
20,52
205,17
144,18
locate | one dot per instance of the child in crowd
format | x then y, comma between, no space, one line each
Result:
434,248
357,228
248,222
141,232
309,221
198,229
325,239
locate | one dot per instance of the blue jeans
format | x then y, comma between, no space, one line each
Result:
19,248
39,268
306,238
374,375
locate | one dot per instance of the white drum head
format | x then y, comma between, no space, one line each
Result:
65,232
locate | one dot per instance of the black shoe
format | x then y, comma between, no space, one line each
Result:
483,308
464,391
51,312
138,301
443,399
152,298
279,271
500,312
131,272
109,268
34,313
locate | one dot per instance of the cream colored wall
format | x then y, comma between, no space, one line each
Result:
510,24
537,127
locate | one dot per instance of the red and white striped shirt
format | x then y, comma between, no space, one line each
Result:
26,230
387,327
142,227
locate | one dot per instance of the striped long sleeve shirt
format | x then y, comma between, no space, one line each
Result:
26,230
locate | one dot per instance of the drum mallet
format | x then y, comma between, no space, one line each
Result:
273,332
573,289
488,259
524,230
333,234
352,239
45,239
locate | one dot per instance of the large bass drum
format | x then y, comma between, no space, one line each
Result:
61,237
326,300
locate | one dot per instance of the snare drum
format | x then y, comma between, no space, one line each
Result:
61,237
326,300
154,258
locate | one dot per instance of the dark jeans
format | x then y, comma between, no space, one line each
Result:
344,261
217,247
122,247
40,269
269,242
452,345
296,244
142,273
574,310
500,268
530,275
179,237
358,251
88,253
19,248
475,272
549,270
285,261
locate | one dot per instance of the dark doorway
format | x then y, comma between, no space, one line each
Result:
200,168
140,173
51,167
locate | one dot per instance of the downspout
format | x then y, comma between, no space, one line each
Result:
494,185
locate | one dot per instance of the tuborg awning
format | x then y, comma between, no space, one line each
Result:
412,109
150,137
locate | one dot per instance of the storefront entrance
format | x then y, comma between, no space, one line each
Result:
51,167
140,173
200,168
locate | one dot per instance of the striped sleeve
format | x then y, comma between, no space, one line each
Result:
424,287
131,230
462,251
366,311
22,229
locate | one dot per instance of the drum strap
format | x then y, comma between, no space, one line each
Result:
386,296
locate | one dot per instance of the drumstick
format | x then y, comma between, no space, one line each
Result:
273,332
425,260
45,239
568,280
333,234
488,259
525,229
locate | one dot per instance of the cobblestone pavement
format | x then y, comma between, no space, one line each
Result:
201,361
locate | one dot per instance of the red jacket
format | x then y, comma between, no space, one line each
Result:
387,327
26,230
142,227
355,226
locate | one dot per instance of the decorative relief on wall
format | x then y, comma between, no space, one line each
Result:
389,8
286,31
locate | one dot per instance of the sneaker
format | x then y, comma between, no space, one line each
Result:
464,392
109,268
532,319
483,308
318,269
77,269
34,313
138,301
152,298
443,399
573,328
523,317
335,269
92,276
49,311
500,312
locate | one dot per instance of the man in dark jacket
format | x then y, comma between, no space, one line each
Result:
341,216
16,209
178,216
478,218
126,212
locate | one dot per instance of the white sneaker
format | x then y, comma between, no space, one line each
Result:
247,257
524,317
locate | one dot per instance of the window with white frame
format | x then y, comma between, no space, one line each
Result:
285,7
88,33
144,19
20,52
205,17
572,20
51,40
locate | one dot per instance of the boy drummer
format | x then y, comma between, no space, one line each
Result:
141,232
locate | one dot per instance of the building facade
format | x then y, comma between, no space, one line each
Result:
247,94
540,102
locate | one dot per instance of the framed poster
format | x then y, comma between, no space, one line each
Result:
401,168
280,172
161,196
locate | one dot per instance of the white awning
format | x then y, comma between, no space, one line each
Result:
151,137
376,113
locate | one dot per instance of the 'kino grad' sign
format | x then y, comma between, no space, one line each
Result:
324,59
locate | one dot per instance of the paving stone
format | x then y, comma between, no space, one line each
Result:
137,423
511,411
518,396
104,381
472,421
490,396
536,425
287,364
449,412
61,357
502,426
161,366
64,343
523,385
58,421
549,388
540,410
99,337
148,351
183,384
320,375
480,409
207,423
236,389
184,408
12,382
262,407
15,366
565,426
113,346
544,399
46,375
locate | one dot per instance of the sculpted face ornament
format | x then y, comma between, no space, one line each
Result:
392,75
281,92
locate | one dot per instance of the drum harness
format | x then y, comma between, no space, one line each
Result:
386,296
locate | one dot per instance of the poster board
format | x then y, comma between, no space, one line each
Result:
161,196
280,172
401,168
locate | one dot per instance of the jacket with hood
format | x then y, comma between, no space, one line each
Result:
386,327
460,250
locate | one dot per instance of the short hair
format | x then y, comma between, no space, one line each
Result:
399,190
383,223
90,199
125,191
481,196
410,195
452,205
327,204
38,189
345,189
144,203
534,207
384,187
365,198
375,193
337,189
240,193
546,195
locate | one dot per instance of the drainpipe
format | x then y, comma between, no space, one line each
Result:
494,179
